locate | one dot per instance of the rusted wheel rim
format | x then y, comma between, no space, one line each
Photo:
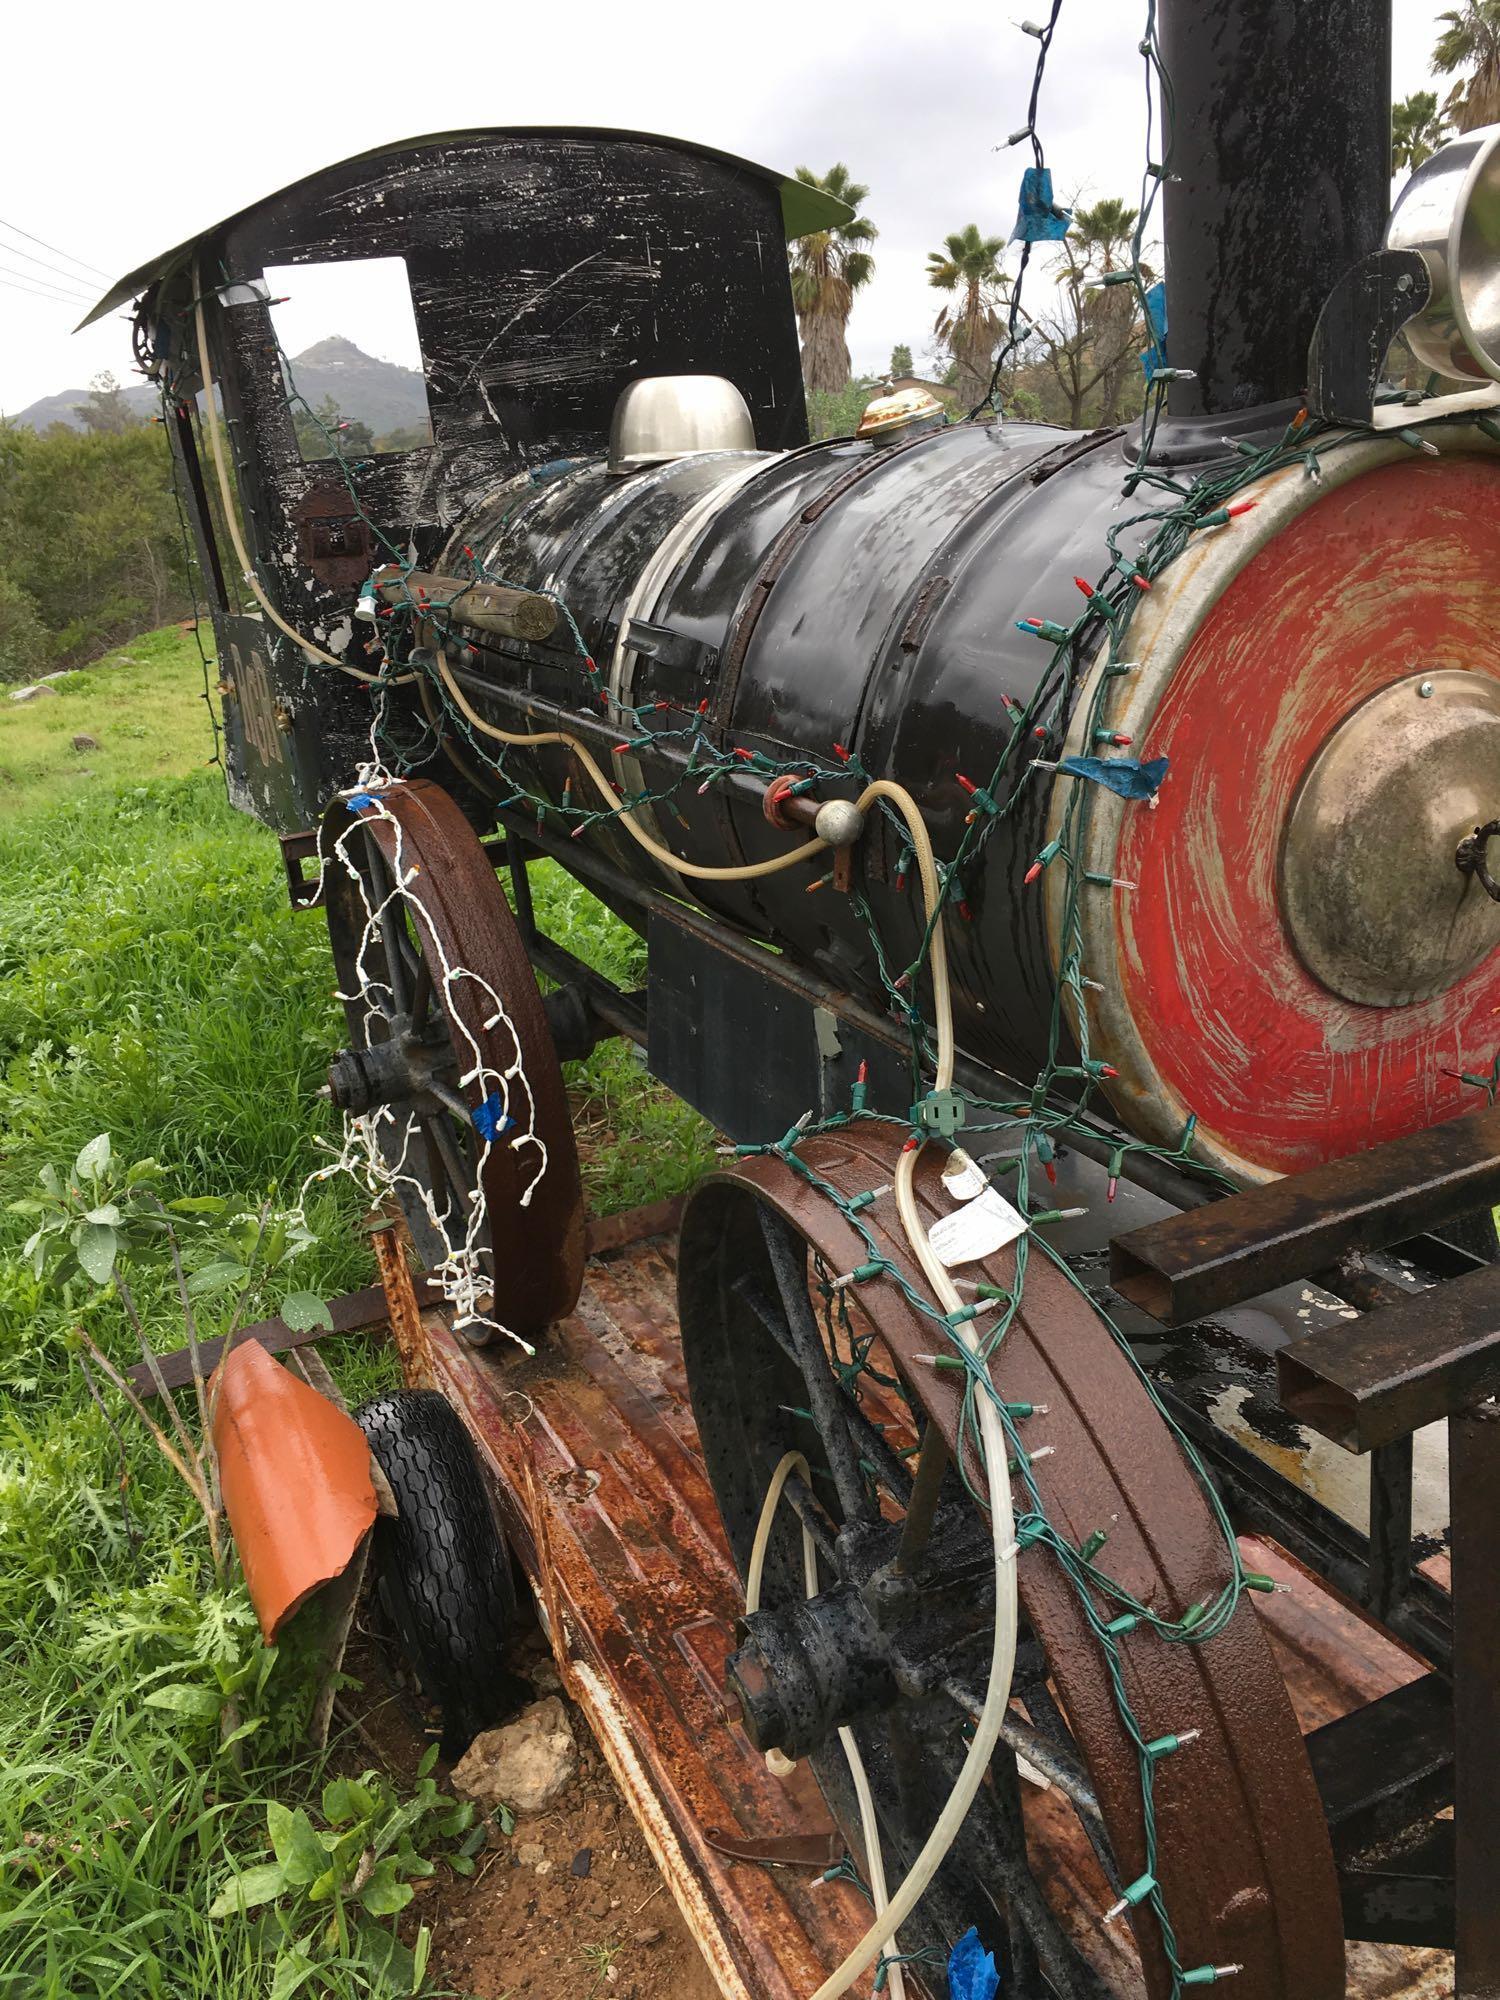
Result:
468,1052
1243,1853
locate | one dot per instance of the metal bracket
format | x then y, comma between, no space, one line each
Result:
672,649
304,891
1362,315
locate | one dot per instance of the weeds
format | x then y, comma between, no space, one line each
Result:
600,1959
154,984
327,1885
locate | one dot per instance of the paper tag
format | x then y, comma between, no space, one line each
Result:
980,1227
962,1179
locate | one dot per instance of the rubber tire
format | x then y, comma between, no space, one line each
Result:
442,1567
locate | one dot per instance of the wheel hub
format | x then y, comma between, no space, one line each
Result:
806,1669
392,1072
1375,907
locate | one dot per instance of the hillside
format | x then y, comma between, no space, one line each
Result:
381,394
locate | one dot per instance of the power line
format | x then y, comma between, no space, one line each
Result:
42,244
71,289
52,298
57,291
61,273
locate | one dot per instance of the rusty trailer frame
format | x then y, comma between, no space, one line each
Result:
601,1489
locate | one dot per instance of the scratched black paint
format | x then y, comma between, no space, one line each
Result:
1281,153
548,269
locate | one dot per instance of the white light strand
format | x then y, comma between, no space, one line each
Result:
376,1150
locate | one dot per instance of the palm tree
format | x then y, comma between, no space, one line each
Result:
1470,43
1417,130
968,266
828,268
1105,234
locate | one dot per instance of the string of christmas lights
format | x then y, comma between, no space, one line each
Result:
1060,1103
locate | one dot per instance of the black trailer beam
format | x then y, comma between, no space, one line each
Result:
1474,1543
1189,1266
1387,1768
1378,1378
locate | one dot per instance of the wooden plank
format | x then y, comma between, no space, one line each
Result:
350,1314
357,1310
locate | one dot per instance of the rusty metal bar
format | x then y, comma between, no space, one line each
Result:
634,1225
1390,1526
916,1530
1191,1265
489,607
304,891
1369,1381
350,1314
405,1314
1474,1479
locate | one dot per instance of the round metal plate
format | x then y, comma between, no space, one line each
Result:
1374,903
1243,1851
457,916
1255,647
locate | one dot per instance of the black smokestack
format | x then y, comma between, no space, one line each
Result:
1282,139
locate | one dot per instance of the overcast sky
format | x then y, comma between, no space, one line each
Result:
915,102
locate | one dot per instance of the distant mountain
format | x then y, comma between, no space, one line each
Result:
59,409
382,394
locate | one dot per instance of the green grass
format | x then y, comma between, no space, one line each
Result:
154,984
143,705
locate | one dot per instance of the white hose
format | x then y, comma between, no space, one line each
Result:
621,815
874,1861
231,511
995,1452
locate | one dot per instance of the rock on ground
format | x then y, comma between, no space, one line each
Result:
83,741
31,693
524,1764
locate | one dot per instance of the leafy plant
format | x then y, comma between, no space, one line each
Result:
94,1223
82,1219
90,1220
154,981
359,1867
599,1958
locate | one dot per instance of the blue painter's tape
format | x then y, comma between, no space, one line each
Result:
1040,219
1122,775
490,1119
1155,300
971,1970
361,800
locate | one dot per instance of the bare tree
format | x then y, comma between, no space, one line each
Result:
1093,331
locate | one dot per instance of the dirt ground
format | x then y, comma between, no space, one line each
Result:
568,1907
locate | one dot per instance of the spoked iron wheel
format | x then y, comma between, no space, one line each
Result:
899,1649
450,1053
